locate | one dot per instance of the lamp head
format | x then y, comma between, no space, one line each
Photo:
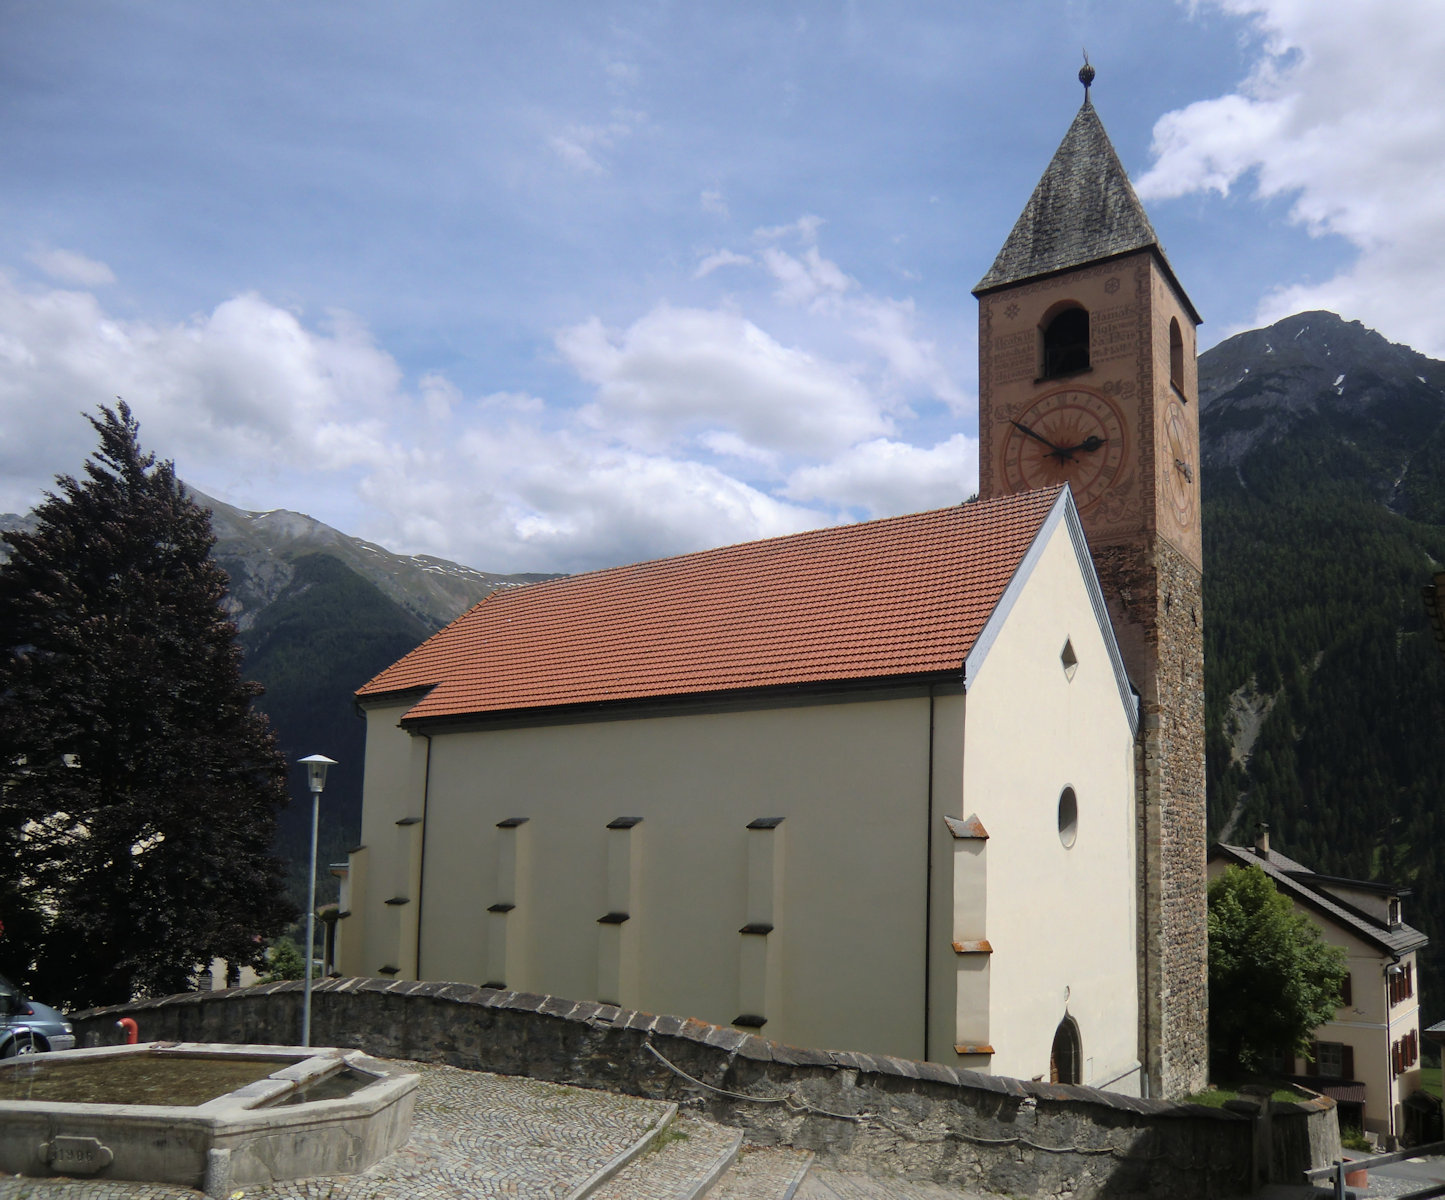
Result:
316,765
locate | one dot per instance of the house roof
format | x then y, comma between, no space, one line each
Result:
1083,209
901,597
1299,882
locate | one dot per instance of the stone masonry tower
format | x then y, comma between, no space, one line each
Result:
1087,375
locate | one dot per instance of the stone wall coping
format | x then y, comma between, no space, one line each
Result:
731,1041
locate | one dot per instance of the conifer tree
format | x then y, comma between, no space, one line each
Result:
139,790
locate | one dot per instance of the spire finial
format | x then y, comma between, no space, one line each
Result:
1086,76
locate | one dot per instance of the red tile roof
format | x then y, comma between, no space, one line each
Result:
896,597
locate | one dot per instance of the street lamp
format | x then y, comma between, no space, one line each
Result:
316,765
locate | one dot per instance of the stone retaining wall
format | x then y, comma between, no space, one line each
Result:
856,1111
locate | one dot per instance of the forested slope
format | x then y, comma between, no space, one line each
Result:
1323,500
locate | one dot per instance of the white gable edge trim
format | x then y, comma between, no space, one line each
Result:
1063,511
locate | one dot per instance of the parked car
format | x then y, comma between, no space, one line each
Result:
29,1027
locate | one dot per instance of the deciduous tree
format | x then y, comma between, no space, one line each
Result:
1272,979
138,788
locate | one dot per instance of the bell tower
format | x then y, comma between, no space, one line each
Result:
1087,375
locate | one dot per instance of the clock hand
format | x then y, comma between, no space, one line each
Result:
1090,443
1038,437
1184,469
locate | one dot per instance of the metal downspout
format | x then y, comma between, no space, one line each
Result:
1141,866
928,894
421,865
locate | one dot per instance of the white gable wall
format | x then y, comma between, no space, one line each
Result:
1061,921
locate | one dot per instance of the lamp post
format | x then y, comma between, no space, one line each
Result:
316,765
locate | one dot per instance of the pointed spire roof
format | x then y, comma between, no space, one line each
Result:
1083,209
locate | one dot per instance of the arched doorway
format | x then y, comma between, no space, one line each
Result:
1066,1062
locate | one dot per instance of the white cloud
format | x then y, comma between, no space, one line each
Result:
1343,113
883,325
720,258
66,266
246,386
884,477
887,326
805,229
809,280
583,146
702,428
676,373
713,202
622,74
568,501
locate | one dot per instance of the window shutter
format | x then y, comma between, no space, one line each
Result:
1409,980
1347,992
1347,1058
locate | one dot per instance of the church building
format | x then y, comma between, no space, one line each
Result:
929,786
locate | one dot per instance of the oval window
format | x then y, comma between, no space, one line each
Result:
1068,817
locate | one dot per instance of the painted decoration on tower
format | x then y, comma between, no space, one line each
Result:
1073,435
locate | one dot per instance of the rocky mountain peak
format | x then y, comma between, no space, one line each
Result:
1318,371
258,551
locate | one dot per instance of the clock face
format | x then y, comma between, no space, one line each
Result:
1180,464
1072,436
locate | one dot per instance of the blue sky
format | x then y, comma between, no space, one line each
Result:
554,286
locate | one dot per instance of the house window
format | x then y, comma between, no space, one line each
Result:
1068,817
1278,1062
1405,1053
1394,910
1332,1060
1402,982
1066,342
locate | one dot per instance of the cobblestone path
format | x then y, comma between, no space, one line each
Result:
835,1185
475,1135
687,1156
478,1136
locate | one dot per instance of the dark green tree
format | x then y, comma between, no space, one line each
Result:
1272,980
284,961
139,790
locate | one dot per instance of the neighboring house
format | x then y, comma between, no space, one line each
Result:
1368,1057
868,787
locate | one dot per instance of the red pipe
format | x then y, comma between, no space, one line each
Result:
132,1030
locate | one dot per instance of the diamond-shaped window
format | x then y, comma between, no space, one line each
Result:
1069,659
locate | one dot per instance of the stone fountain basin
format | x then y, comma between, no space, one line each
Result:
250,1135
